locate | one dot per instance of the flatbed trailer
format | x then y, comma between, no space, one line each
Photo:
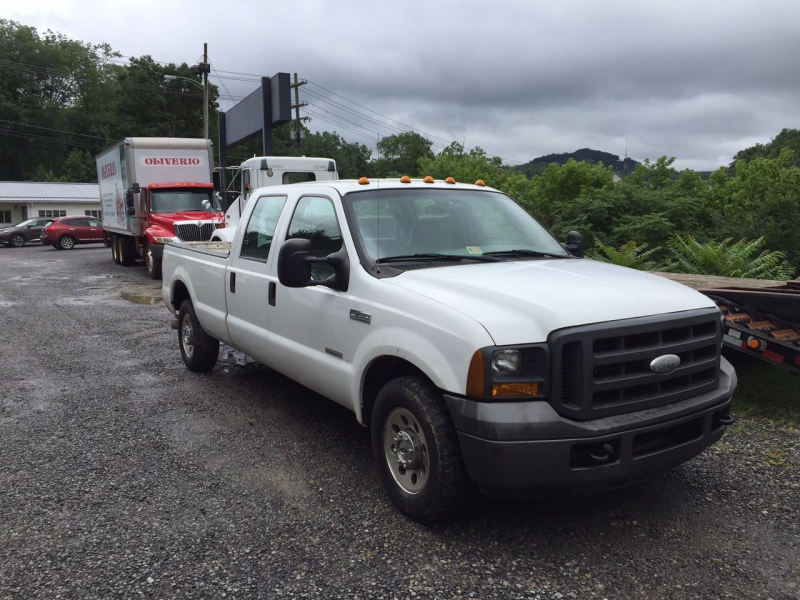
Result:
761,318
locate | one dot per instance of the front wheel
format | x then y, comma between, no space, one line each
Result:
198,349
17,241
153,264
416,448
67,242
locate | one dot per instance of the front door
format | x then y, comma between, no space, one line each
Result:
311,340
95,230
249,285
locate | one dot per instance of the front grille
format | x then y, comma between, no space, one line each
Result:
195,232
604,369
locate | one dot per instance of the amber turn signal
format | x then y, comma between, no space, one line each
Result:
481,183
515,389
475,384
363,181
753,343
428,179
450,180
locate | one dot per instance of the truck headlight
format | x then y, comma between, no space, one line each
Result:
506,362
509,373
164,240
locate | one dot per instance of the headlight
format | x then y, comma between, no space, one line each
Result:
164,240
506,362
509,373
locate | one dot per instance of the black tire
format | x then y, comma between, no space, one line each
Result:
447,488
198,349
66,242
152,263
17,241
125,250
115,249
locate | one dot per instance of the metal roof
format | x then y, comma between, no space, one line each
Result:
26,191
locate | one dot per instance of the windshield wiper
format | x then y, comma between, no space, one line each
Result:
435,256
524,252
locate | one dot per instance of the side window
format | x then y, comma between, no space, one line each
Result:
298,177
94,223
245,184
315,219
261,227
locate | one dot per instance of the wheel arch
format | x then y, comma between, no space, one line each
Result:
179,293
379,372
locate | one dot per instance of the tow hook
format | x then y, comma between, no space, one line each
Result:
605,455
726,420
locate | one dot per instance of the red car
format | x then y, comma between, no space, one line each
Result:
63,233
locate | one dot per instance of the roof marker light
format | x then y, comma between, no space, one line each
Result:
449,180
428,179
363,181
481,183
405,179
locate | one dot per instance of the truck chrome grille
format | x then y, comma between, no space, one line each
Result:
604,369
193,231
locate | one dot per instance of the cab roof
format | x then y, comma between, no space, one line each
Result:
344,186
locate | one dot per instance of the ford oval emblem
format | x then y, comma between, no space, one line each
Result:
665,364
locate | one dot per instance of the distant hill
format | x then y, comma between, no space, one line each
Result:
787,138
538,165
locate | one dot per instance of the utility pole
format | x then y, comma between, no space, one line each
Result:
298,134
203,69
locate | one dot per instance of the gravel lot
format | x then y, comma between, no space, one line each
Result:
122,474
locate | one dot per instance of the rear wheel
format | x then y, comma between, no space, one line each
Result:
125,250
17,241
115,249
153,264
198,349
66,242
416,448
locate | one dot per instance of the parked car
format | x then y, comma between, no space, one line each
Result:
63,233
21,233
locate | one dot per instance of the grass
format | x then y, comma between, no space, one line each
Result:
767,392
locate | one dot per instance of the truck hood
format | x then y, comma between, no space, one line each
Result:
522,302
166,220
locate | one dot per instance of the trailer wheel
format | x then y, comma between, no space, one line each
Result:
416,448
66,242
125,251
153,264
198,349
115,249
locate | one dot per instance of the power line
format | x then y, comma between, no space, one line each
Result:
97,137
32,136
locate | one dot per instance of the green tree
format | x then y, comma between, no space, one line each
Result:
630,255
744,258
401,153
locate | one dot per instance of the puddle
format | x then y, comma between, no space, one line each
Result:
7,303
136,299
231,360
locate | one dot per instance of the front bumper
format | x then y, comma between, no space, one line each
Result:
526,448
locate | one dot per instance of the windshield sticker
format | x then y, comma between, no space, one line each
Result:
474,250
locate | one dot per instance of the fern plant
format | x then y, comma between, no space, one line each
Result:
630,255
727,258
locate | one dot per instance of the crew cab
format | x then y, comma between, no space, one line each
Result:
479,350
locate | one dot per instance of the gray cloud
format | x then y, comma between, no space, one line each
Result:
698,81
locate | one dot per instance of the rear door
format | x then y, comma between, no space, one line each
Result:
74,228
35,231
250,289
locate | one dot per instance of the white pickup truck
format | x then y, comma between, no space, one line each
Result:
477,348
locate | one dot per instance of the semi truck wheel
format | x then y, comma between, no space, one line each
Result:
125,251
198,349
66,242
115,249
153,264
416,448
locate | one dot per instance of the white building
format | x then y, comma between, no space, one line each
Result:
21,200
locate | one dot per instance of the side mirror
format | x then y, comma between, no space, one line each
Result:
136,189
294,266
129,198
575,244
206,204
131,211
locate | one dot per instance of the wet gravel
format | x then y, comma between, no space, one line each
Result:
124,475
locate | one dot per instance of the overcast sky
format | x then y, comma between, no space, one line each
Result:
694,80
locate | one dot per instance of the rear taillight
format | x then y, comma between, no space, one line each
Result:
50,229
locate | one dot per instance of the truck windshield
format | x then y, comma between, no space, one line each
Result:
167,201
435,222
